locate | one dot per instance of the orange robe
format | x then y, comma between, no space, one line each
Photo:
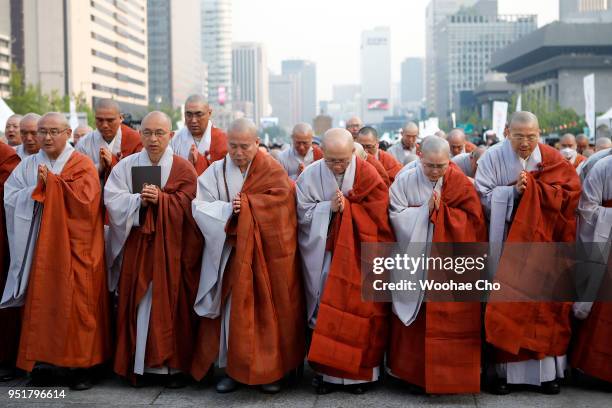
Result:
579,159
166,250
379,168
390,163
66,311
10,317
546,213
592,351
218,150
470,147
440,350
350,336
267,324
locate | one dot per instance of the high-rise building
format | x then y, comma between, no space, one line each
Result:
5,65
96,48
175,71
585,11
217,49
250,77
435,13
466,42
375,74
285,99
412,80
307,71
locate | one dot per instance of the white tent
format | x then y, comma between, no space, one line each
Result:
605,119
5,113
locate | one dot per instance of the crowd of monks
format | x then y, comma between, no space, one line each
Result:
250,261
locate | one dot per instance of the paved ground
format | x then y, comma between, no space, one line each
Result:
114,392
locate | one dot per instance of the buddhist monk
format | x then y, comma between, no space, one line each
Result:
28,127
582,143
79,133
368,138
468,162
353,125
54,225
301,153
111,141
342,202
9,318
199,141
568,146
363,155
405,151
154,255
250,293
11,130
458,142
586,166
602,143
435,347
530,194
592,352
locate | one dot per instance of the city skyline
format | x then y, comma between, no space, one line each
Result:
339,25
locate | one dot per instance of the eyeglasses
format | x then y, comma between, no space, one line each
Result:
296,143
52,132
435,166
158,133
355,126
369,146
197,115
337,161
530,139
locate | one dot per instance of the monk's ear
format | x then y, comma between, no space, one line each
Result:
171,134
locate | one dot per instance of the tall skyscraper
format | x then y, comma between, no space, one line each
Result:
466,42
307,71
5,64
412,84
585,11
375,74
175,71
217,49
436,12
285,99
90,47
250,77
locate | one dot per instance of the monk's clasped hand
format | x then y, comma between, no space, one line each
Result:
149,194
521,184
42,173
106,158
236,204
193,154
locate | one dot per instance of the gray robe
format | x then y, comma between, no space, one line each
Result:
290,160
464,162
23,216
402,155
182,141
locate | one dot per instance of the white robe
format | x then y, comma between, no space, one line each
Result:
91,143
464,162
497,168
409,197
123,206
290,160
412,165
402,155
23,216
20,150
315,188
211,209
182,141
594,220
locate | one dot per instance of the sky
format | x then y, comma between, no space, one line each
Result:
329,31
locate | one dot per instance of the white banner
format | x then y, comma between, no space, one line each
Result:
500,116
589,103
454,119
519,103
5,113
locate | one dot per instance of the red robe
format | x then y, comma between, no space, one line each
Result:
130,143
9,318
470,147
390,163
165,250
440,351
66,313
266,335
579,159
592,351
350,336
218,150
546,213
379,168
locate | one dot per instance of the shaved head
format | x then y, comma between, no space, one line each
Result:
353,125
302,128
523,118
602,143
568,141
11,130
56,117
582,143
16,117
28,129
456,139
434,145
410,127
338,147
196,99
243,142
243,126
29,118
337,137
108,104
56,122
159,118
302,135
435,157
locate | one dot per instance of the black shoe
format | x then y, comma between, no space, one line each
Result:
209,378
7,374
324,388
226,385
416,390
356,389
550,387
138,381
500,387
176,381
41,377
80,380
272,388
